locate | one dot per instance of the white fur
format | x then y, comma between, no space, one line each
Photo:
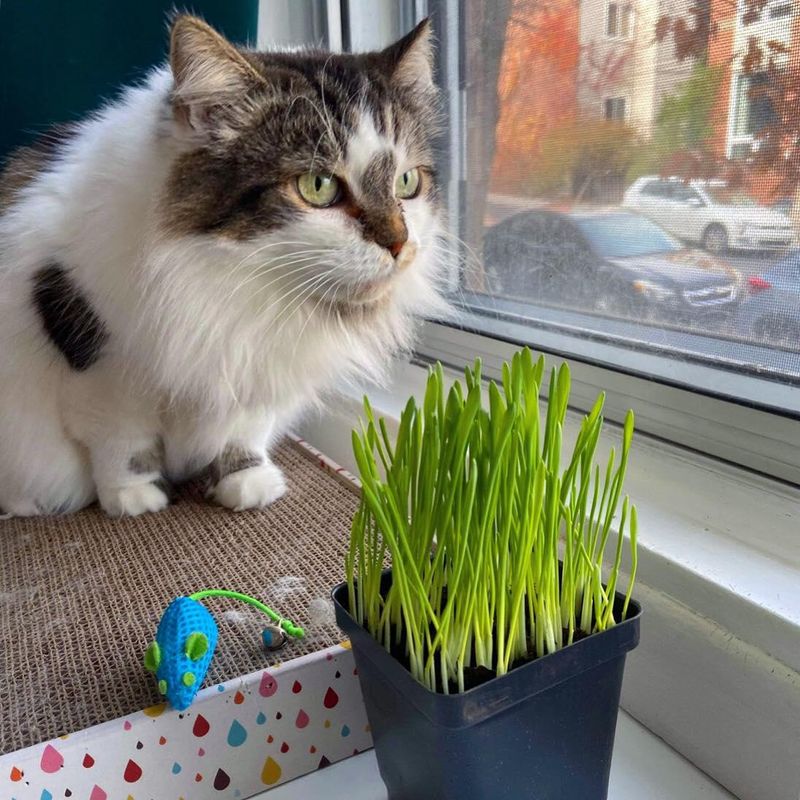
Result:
211,342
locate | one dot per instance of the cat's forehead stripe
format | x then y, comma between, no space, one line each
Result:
378,178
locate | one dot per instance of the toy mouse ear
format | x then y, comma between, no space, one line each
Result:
196,646
152,657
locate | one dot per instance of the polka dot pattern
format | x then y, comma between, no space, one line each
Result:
308,713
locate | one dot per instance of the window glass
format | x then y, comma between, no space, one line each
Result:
612,19
672,147
614,109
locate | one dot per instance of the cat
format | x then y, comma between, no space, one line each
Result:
185,271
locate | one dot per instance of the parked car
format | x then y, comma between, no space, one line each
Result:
613,262
771,310
709,214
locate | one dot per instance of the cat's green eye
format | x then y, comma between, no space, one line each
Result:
318,190
407,185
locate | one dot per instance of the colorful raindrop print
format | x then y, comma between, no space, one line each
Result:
271,772
132,772
237,735
331,699
52,760
268,685
221,780
302,719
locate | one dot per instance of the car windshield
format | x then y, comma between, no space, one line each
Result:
725,196
624,235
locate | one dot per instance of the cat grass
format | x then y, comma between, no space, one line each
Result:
496,536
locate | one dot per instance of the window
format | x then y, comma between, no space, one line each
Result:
574,243
631,147
752,111
614,109
619,20
780,9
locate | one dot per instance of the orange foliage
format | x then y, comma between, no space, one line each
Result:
537,86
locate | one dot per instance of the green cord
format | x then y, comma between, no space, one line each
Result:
285,624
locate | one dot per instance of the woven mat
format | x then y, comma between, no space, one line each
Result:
81,595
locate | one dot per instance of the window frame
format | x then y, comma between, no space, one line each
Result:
623,9
616,98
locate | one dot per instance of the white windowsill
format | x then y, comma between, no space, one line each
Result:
717,675
643,766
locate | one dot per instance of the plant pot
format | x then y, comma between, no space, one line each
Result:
543,731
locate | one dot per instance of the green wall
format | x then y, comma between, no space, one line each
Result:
61,58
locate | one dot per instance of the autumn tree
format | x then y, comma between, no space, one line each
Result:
776,153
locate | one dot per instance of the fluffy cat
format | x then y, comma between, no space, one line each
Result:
184,271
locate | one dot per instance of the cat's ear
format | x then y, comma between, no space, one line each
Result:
410,60
210,75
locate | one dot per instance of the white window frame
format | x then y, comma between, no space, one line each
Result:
622,8
735,139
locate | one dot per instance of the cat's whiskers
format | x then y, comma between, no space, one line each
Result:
301,294
307,295
267,306
298,266
334,285
267,246
276,263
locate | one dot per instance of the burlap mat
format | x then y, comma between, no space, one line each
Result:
81,595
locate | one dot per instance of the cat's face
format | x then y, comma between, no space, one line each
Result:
314,169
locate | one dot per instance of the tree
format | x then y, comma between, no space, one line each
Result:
581,152
777,151
683,124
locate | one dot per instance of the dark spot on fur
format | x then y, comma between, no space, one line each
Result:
166,487
150,460
234,458
68,318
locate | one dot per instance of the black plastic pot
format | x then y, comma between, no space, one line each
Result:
543,731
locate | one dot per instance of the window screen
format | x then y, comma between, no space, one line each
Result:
634,185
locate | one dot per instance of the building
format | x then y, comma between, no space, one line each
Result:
741,111
624,73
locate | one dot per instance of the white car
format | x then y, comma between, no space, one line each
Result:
706,213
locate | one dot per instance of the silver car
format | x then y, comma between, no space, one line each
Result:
707,213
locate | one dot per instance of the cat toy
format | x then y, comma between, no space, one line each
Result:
185,641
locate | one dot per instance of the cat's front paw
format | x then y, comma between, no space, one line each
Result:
254,487
130,501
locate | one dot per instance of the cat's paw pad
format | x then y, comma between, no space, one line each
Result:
254,487
130,501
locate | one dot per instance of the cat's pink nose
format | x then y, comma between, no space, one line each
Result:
395,247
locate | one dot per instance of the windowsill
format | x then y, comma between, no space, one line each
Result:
643,766
722,606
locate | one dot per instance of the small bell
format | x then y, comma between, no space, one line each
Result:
274,638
